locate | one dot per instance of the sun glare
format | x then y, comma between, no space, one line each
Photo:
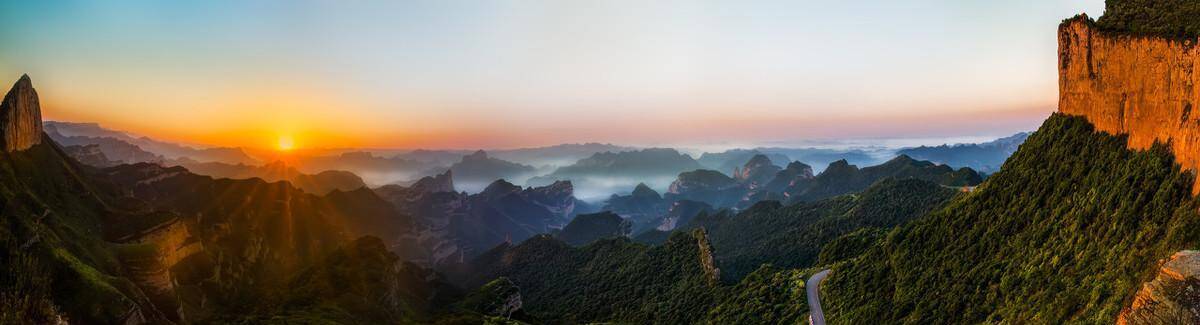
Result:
286,143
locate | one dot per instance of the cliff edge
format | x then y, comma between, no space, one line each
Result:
1142,86
20,117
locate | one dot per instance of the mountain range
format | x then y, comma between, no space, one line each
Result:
1092,218
984,157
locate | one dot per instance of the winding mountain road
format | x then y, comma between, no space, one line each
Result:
816,316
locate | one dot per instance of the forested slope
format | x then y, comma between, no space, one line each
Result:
1064,233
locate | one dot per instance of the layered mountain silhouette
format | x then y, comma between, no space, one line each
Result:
820,157
144,243
641,163
92,133
605,173
842,178
984,157
759,180
1092,219
476,170
557,155
644,207
729,160
374,169
319,183
455,226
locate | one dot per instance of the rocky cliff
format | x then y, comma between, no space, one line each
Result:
1173,297
711,273
20,117
1142,86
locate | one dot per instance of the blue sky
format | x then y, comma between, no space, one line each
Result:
519,73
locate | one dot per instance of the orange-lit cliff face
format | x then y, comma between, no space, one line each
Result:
1141,86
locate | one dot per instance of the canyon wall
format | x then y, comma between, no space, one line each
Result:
1141,86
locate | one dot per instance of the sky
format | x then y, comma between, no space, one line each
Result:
503,74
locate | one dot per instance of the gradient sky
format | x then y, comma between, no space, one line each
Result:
469,74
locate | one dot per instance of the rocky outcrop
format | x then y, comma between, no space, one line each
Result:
20,117
498,189
757,171
443,182
701,180
707,263
1145,87
681,213
558,198
1173,297
795,172
644,207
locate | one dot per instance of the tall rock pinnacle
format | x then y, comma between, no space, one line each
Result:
20,117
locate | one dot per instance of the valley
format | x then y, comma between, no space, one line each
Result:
1089,217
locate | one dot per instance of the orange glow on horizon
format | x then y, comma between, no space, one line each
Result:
286,143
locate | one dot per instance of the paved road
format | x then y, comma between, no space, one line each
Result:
816,316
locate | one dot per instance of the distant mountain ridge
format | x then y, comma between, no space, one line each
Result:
729,160
983,157
454,227
141,243
842,178
610,172
166,149
759,180
476,170
320,183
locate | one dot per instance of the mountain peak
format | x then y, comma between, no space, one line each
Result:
477,155
759,169
799,166
644,191
498,188
758,160
21,117
443,182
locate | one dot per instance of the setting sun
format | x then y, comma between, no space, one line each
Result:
286,143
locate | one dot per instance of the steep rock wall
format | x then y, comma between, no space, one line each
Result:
20,117
1145,87
707,262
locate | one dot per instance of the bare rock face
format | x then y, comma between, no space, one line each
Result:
1141,86
20,117
1173,297
758,171
707,262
